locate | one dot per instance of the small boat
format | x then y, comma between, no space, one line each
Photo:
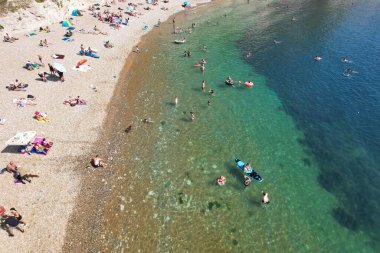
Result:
180,41
252,174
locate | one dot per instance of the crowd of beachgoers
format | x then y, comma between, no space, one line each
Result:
61,85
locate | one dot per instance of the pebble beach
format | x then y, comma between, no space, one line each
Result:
49,201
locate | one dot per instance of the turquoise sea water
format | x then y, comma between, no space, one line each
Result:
310,131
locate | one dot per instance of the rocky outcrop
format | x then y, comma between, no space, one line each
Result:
26,15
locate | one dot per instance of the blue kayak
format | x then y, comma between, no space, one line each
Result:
252,174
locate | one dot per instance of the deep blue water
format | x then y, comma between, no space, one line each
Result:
339,115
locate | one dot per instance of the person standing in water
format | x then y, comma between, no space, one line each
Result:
203,85
176,100
192,116
209,103
265,198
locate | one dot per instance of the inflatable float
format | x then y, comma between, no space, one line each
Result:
249,84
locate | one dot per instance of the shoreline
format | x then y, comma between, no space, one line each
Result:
123,111
74,131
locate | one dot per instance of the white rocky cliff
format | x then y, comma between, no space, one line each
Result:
25,15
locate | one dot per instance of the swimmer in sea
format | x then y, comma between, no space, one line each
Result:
348,72
184,54
203,68
209,103
221,180
317,58
246,180
211,92
239,82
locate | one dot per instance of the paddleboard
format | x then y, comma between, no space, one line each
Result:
253,174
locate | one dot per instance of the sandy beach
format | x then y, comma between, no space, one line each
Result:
48,203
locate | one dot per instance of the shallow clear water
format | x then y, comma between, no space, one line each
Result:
309,130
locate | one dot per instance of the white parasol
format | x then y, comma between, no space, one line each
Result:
59,67
22,138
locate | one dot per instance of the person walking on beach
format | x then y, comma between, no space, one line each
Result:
17,215
265,198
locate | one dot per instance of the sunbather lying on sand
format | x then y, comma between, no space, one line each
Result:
22,174
40,116
75,101
8,38
45,29
107,44
17,86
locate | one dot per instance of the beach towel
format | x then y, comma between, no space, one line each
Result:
82,68
89,54
67,39
31,34
22,149
145,28
58,56
23,102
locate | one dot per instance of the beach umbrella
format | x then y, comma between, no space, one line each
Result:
2,210
22,138
59,67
